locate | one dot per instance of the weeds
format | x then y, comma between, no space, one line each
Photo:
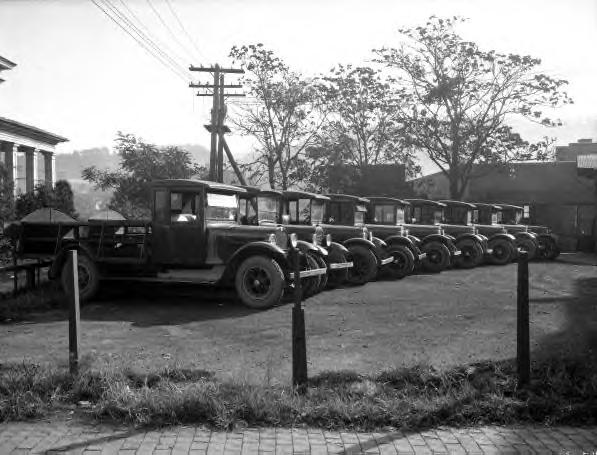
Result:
563,391
45,297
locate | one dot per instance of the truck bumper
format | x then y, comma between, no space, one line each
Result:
387,260
308,273
341,265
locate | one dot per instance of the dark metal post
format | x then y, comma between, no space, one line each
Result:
299,341
15,273
74,338
523,355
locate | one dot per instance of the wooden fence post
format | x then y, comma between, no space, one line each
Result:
299,341
523,354
74,318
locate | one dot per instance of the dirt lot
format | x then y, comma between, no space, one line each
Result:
454,317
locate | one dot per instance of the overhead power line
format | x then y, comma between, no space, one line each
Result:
184,30
189,55
142,40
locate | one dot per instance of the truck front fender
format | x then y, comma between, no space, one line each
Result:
308,247
260,248
367,244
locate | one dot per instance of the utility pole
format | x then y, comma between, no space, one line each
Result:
217,128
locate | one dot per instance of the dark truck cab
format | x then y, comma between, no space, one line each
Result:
491,215
547,242
438,248
265,207
499,246
367,254
194,236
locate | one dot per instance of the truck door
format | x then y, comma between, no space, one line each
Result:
178,228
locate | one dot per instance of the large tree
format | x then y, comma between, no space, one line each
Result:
283,116
362,127
459,100
140,164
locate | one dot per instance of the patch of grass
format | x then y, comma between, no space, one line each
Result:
45,297
563,391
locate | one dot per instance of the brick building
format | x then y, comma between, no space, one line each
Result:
553,193
27,152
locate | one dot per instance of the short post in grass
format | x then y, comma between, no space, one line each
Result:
523,354
299,342
74,318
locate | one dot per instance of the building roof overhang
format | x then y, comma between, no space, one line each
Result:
18,129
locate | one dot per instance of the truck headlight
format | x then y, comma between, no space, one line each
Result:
271,239
293,240
328,240
365,233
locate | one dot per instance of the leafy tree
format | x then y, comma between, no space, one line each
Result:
284,118
362,128
6,212
60,198
458,99
140,164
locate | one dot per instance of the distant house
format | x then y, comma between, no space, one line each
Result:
553,193
26,151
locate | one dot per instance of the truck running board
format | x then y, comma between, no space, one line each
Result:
341,265
308,273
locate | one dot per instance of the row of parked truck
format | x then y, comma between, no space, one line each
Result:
206,232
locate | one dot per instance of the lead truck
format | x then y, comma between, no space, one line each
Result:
194,236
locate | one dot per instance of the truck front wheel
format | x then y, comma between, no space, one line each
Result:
89,277
259,282
471,253
528,245
404,262
364,265
438,257
503,251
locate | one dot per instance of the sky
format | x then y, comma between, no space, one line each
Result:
82,77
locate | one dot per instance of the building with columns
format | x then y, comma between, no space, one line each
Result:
26,152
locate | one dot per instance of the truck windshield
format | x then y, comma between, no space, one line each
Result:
497,216
400,215
359,215
268,208
317,209
458,215
384,214
304,211
512,216
221,207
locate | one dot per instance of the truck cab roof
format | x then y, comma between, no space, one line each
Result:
197,184
426,202
297,194
452,203
347,198
387,200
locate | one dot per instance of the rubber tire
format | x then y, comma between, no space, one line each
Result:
275,275
365,261
503,246
528,245
337,277
444,257
311,284
86,265
323,279
405,267
550,251
471,254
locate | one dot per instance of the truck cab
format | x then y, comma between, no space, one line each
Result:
438,248
194,236
547,242
455,220
265,208
499,247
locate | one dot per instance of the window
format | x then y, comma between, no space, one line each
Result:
161,209
526,209
400,215
183,207
248,213
292,211
304,208
384,214
317,209
417,215
334,215
221,207
268,209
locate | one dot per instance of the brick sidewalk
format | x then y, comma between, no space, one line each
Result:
76,438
